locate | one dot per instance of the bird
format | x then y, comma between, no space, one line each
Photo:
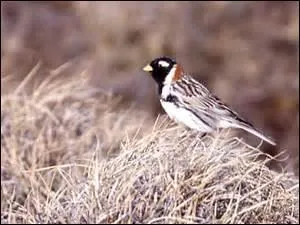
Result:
188,102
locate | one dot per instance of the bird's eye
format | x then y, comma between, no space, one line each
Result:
163,63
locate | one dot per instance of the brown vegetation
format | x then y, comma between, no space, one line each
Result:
67,157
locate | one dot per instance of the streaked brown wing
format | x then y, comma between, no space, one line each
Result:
194,94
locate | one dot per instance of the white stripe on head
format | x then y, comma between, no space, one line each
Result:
170,77
163,63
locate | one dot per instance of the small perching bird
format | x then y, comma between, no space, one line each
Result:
187,101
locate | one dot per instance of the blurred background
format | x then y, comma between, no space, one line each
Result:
245,52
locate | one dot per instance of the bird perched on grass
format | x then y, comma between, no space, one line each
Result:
188,102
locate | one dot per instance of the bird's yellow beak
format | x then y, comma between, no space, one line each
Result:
148,68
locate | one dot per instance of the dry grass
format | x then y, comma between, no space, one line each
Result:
55,169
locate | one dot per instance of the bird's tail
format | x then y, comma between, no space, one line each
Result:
254,131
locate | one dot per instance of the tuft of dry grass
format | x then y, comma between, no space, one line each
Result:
167,178
69,155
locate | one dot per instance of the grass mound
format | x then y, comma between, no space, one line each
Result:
54,169
165,178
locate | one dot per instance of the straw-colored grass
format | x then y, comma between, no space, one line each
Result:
71,156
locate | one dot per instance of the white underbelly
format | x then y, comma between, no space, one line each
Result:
185,117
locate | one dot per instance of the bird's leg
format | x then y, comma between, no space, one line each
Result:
203,135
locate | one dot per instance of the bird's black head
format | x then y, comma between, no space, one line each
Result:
159,68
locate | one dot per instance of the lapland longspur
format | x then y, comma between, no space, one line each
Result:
188,102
